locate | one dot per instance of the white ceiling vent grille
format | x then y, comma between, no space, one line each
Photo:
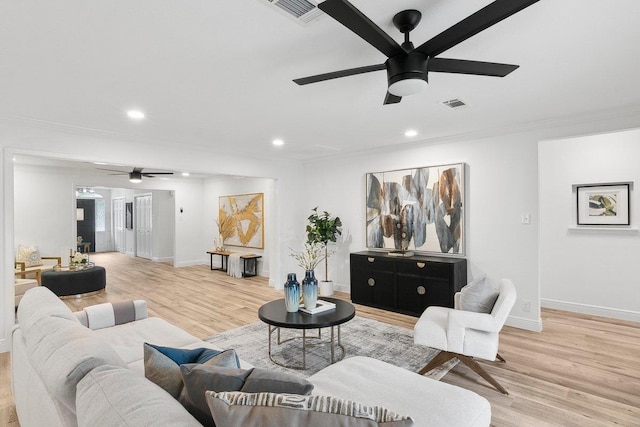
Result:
301,11
454,104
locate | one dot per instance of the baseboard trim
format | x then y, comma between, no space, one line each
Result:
594,310
341,288
162,259
4,346
534,325
190,263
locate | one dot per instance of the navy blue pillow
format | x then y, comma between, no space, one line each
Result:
182,356
162,364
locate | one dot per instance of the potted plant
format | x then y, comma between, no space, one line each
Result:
322,229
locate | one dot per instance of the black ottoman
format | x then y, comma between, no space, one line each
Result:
65,283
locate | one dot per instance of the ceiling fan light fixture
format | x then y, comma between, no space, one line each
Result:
406,87
135,177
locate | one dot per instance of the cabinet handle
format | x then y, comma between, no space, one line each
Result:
371,281
420,264
421,290
370,259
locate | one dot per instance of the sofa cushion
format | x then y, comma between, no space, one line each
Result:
128,339
478,296
40,303
110,396
375,382
62,352
276,409
162,364
201,378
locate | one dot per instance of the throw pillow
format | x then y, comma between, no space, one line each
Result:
30,256
162,364
478,296
262,380
272,409
201,378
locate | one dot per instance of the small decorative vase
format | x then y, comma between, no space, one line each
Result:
309,290
292,293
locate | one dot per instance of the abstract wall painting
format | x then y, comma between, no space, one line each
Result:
419,209
606,204
241,220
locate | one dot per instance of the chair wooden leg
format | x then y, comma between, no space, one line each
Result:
500,358
475,367
440,358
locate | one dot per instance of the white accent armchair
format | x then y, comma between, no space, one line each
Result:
466,335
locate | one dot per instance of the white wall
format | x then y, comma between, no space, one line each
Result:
501,178
163,224
45,210
583,269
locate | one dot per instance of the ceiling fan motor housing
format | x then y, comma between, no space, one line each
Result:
401,67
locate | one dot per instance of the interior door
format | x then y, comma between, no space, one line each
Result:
119,235
86,222
144,227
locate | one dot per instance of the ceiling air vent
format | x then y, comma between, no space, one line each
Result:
301,11
454,103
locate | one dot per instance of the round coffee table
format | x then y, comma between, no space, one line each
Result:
275,315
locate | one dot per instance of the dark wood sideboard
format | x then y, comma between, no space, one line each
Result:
405,284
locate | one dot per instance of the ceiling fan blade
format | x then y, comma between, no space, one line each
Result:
113,170
338,74
391,99
472,25
347,14
462,66
149,174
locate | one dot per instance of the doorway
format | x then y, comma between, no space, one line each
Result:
86,224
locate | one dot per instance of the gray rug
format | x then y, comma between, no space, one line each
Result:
360,337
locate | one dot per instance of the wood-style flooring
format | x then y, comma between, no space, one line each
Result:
580,371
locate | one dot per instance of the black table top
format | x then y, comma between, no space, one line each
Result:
275,313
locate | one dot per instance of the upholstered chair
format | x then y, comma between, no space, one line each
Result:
466,335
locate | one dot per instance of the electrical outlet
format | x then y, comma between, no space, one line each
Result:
526,305
526,219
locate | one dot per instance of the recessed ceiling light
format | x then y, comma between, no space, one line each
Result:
135,114
185,174
278,142
411,133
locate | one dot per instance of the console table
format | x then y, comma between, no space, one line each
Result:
252,259
405,284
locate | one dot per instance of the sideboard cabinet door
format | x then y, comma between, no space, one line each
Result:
405,284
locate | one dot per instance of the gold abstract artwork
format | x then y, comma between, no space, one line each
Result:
241,220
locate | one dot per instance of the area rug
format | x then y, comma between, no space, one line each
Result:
360,337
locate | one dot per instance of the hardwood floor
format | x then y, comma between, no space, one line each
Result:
580,371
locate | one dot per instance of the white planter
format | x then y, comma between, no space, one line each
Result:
326,288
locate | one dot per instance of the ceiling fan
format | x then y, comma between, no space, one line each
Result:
136,174
407,67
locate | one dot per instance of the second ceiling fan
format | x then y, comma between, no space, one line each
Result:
136,174
407,67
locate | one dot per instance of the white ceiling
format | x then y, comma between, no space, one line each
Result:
219,74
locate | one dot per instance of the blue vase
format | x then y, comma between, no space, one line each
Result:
292,293
309,290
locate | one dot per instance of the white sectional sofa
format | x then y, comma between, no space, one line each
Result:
64,373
